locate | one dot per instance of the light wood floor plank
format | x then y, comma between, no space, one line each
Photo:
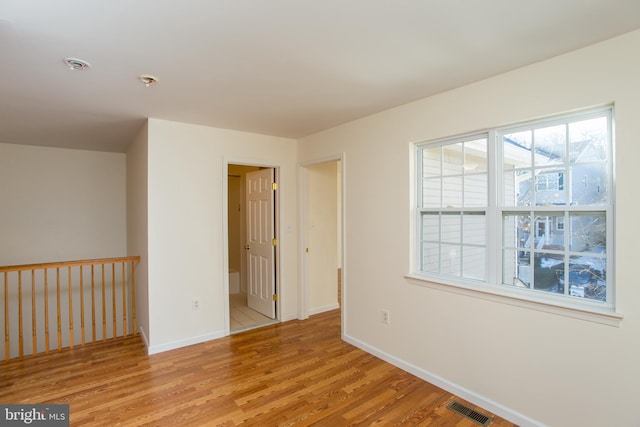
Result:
298,373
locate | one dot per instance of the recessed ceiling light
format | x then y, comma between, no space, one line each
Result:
76,64
148,80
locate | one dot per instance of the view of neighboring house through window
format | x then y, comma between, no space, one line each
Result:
454,200
544,189
550,181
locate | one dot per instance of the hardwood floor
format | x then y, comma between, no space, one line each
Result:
297,373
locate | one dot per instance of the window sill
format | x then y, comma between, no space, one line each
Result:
521,298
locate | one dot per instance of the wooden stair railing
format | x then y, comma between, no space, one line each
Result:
37,290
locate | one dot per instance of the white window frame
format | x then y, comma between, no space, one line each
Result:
492,288
468,210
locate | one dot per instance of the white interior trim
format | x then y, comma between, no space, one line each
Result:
525,299
278,227
185,342
322,309
303,201
463,393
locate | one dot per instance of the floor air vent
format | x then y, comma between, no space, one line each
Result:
469,413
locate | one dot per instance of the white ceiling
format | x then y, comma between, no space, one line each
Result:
278,67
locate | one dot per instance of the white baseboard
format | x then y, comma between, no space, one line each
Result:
328,307
476,399
153,349
290,316
143,334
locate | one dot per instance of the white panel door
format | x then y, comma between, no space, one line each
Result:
260,249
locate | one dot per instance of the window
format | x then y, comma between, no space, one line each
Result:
550,181
492,209
454,200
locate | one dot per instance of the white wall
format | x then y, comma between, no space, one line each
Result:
339,213
322,237
137,224
59,204
187,184
530,366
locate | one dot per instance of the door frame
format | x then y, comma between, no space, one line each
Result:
277,227
303,215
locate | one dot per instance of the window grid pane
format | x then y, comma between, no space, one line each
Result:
454,178
474,265
563,165
551,210
450,260
452,192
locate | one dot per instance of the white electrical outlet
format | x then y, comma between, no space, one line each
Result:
385,316
195,304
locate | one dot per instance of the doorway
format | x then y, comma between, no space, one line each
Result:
322,222
252,261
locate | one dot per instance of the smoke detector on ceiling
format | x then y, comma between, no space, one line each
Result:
148,80
76,64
